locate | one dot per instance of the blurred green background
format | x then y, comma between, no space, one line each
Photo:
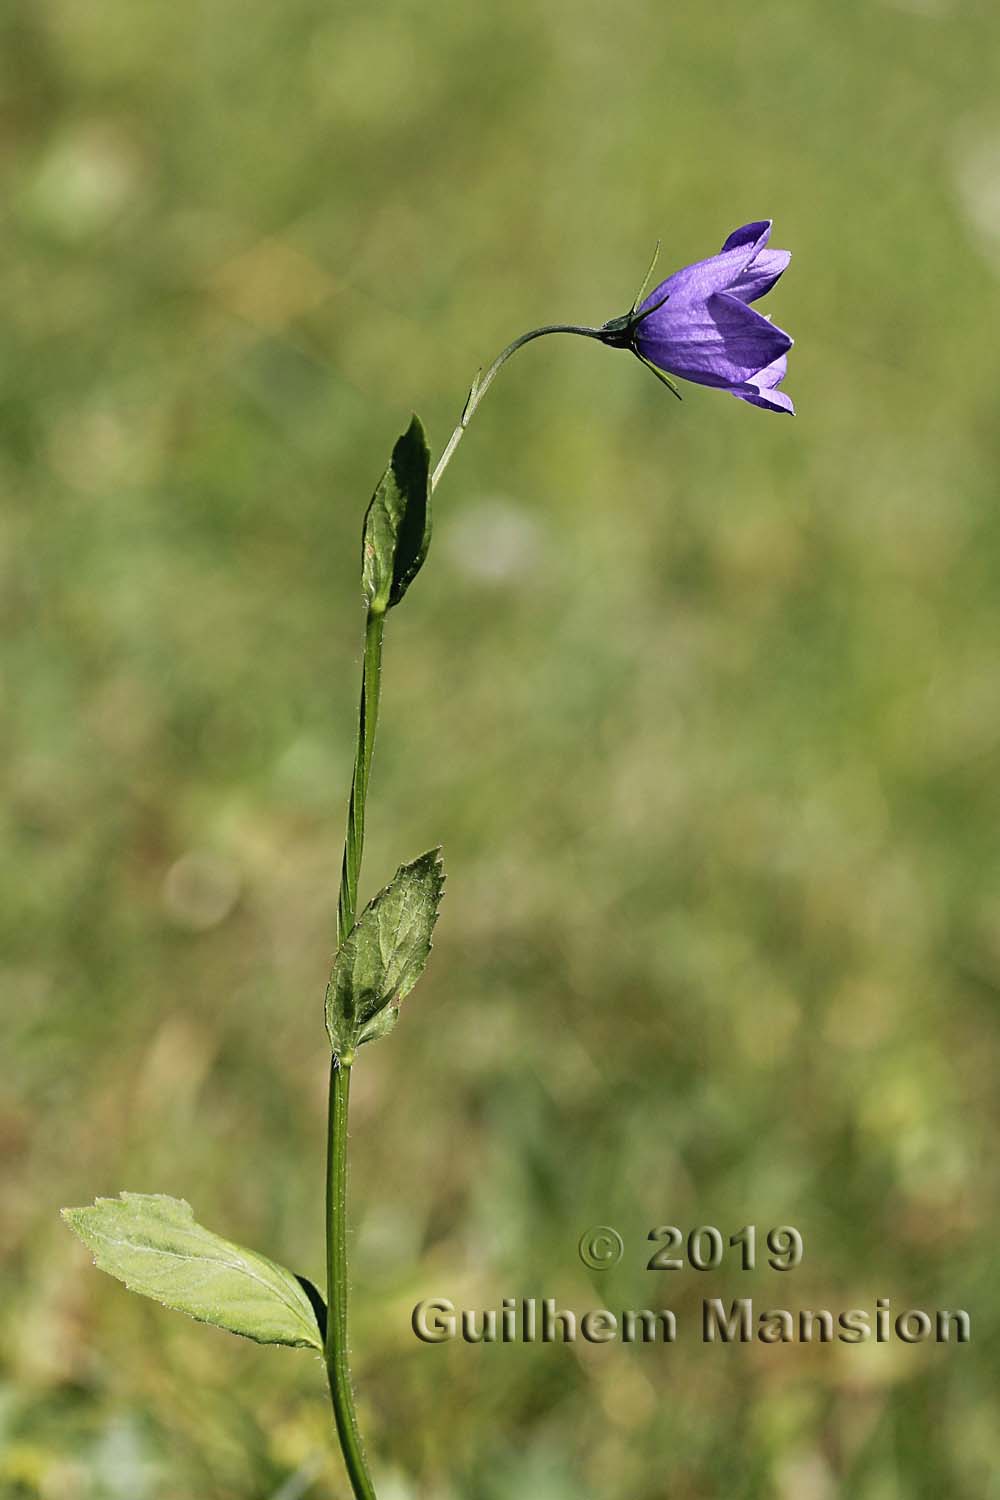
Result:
703,704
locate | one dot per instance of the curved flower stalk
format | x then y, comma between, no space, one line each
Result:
699,325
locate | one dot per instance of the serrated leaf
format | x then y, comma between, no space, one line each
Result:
384,955
397,529
152,1244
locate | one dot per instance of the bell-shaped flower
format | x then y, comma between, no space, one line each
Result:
699,325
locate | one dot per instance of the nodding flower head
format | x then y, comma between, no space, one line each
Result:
699,325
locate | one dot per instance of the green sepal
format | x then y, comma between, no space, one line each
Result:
152,1244
383,955
661,375
397,527
645,281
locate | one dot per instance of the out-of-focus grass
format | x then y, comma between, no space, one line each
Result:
702,703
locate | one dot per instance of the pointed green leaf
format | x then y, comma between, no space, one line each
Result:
153,1244
397,529
384,955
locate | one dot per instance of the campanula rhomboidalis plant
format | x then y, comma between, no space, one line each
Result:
697,325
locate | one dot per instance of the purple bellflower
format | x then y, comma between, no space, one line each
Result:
699,325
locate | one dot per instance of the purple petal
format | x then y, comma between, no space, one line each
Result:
759,275
718,342
757,234
766,400
717,274
774,374
762,389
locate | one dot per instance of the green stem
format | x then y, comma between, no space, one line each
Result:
482,383
337,1363
336,1351
354,844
